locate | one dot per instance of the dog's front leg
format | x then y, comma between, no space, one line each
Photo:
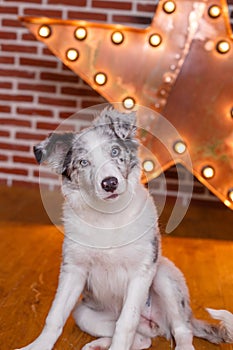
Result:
71,284
128,321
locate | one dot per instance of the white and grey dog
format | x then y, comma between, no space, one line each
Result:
113,276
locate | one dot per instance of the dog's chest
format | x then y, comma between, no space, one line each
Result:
108,278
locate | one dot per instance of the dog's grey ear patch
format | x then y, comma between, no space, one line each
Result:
53,151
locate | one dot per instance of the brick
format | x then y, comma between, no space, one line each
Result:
17,73
47,126
146,7
14,147
30,136
59,77
42,12
5,85
8,9
28,1
4,133
7,60
131,19
35,112
68,2
44,174
3,158
11,23
47,52
37,87
78,91
15,122
87,16
87,104
37,62
3,182
15,171
8,35
28,37
18,98
112,5
5,109
26,160
57,102
64,115
19,48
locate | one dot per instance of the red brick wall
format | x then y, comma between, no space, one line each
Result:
37,91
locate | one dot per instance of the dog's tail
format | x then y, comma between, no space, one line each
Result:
215,333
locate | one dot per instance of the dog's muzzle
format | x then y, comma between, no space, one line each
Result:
109,184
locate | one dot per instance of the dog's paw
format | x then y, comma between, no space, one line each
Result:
98,344
184,347
36,345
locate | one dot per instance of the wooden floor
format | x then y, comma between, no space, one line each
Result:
29,266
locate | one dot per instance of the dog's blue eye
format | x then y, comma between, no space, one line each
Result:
84,162
115,151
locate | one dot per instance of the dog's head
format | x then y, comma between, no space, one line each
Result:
101,162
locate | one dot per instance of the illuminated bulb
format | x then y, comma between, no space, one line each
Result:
128,102
223,46
230,195
80,33
148,165
44,31
117,38
169,6
180,147
214,11
208,172
72,54
155,40
100,78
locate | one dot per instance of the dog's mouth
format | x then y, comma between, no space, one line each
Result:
112,196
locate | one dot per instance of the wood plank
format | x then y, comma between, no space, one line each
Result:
29,268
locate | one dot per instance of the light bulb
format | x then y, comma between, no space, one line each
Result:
214,11
72,54
155,40
117,38
148,165
128,102
100,78
44,31
80,33
208,172
169,6
179,147
223,46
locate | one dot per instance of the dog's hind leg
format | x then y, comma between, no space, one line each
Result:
102,324
170,286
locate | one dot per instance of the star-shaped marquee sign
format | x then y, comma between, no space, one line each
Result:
181,66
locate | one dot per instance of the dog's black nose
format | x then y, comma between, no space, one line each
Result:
109,184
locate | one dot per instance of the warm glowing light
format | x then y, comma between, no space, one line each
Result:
214,11
155,40
169,6
100,78
223,46
117,38
128,102
148,165
44,31
72,54
80,33
230,194
208,172
180,147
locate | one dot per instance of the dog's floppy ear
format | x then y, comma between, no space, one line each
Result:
55,151
123,125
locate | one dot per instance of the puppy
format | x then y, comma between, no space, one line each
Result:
113,276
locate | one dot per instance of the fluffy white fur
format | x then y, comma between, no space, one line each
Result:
111,251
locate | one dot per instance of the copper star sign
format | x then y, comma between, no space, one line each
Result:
180,66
